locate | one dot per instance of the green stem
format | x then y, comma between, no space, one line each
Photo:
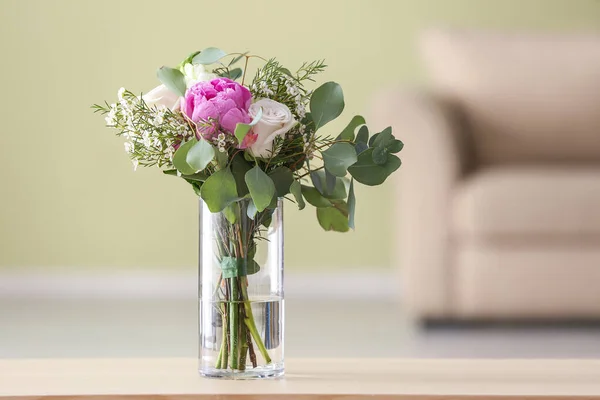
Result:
243,346
234,315
249,321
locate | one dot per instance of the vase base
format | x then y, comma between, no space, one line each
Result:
263,372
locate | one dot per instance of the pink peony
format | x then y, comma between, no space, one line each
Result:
222,101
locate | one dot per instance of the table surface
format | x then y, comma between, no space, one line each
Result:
326,379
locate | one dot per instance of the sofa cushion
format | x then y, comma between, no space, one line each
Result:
527,98
528,202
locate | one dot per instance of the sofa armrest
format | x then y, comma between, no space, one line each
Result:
434,158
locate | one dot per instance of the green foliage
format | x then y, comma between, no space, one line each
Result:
180,158
232,212
338,158
208,56
368,172
351,205
251,210
282,178
219,190
261,186
296,190
334,218
188,59
348,132
173,79
338,192
326,103
239,168
315,198
200,155
241,130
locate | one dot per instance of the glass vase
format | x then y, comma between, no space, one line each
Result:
241,292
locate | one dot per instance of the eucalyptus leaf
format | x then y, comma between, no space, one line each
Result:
261,186
172,172
239,168
180,157
339,189
326,103
188,59
360,147
367,172
222,158
209,56
315,198
330,181
282,178
241,130
200,155
382,138
173,79
219,190
348,132
338,158
232,212
380,155
396,146
235,73
351,205
296,190
316,181
251,210
198,177
334,218
363,135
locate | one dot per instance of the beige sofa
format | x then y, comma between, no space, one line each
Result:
499,194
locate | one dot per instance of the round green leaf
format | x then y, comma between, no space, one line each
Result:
367,172
282,178
296,190
209,56
395,146
380,155
348,132
173,79
262,188
334,218
200,155
363,135
338,158
180,157
313,196
326,103
219,190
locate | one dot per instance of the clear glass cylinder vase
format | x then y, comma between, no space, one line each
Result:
241,302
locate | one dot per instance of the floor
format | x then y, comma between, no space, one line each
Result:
167,328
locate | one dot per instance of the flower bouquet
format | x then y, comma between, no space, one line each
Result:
244,146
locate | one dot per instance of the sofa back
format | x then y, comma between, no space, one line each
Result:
526,98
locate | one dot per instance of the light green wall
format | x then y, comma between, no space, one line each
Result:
68,195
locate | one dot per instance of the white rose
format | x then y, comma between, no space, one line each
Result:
161,96
195,73
276,120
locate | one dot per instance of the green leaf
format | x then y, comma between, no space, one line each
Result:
180,157
296,190
188,59
200,155
382,138
363,135
285,71
209,56
238,58
219,190
235,73
241,130
197,187
380,155
262,188
239,168
339,157
334,218
173,79
317,181
222,158
360,147
348,132
339,190
367,172
232,212
315,198
251,210
326,103
282,178
172,172
198,176
233,267
396,146
330,181
351,205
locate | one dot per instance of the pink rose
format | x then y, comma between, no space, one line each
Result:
221,101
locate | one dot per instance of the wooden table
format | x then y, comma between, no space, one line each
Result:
323,379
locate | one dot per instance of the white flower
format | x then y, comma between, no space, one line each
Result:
161,96
276,120
194,73
128,147
120,93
